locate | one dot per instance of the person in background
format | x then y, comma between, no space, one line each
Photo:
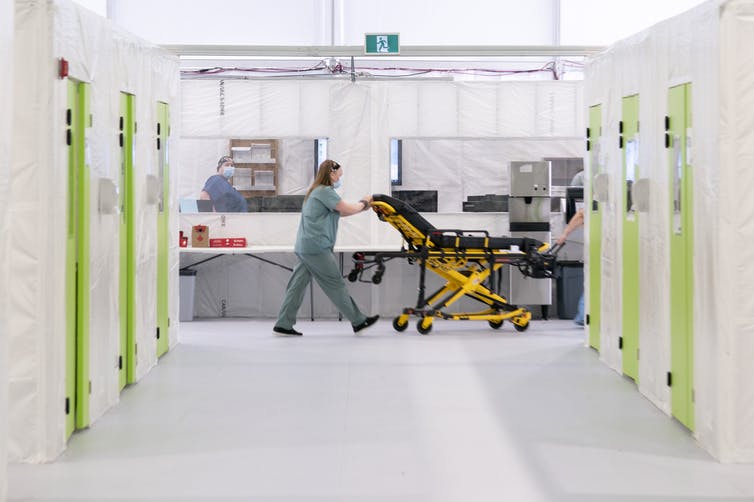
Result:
315,240
576,221
225,198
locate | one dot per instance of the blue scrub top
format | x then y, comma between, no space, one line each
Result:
225,198
319,221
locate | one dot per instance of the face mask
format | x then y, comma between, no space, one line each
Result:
228,171
337,184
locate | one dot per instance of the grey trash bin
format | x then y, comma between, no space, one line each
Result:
570,285
187,286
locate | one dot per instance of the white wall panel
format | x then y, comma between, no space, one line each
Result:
423,22
240,109
204,117
477,110
515,116
280,108
314,111
6,86
438,110
402,109
241,22
617,20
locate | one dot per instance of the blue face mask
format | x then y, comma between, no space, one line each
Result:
228,171
337,184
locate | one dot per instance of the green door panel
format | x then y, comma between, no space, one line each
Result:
126,130
70,253
630,155
163,221
594,139
83,386
77,283
681,255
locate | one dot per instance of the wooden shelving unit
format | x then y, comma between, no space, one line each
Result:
256,161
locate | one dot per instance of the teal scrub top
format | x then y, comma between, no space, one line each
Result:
319,221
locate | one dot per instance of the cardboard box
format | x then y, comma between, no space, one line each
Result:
200,236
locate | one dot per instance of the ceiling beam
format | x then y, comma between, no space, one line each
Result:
413,51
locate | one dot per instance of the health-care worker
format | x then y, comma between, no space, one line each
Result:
225,198
315,240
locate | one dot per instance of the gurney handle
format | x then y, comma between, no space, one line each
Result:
555,249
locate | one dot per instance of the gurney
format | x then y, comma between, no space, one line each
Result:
468,260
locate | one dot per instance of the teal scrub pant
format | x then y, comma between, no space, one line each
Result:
325,270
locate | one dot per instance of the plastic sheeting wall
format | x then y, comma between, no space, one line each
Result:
6,60
517,120
711,48
359,119
112,61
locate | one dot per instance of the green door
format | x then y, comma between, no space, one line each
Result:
594,144
126,130
629,144
77,259
678,127
163,220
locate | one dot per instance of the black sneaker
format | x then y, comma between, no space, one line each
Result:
286,332
368,322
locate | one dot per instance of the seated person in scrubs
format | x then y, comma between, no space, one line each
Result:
315,240
218,189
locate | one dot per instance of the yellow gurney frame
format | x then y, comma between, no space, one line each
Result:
467,260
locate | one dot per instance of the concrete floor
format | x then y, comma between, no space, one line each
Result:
464,414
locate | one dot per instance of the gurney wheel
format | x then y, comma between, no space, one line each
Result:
495,324
398,326
353,275
421,328
521,328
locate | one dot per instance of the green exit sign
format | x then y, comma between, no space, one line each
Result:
381,43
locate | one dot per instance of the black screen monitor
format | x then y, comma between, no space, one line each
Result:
574,200
204,206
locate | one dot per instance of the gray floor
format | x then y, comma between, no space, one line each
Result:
464,414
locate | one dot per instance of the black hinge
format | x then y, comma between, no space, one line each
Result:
168,322
667,123
587,319
120,140
68,406
120,123
68,137
620,127
69,116
158,143
588,133
620,142
667,140
90,387
670,379
595,205
136,127
120,362
588,145
620,343
158,332
158,128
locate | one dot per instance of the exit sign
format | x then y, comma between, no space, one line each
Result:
381,43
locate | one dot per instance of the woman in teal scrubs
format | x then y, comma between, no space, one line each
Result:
315,240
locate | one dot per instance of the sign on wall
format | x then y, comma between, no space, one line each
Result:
381,43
